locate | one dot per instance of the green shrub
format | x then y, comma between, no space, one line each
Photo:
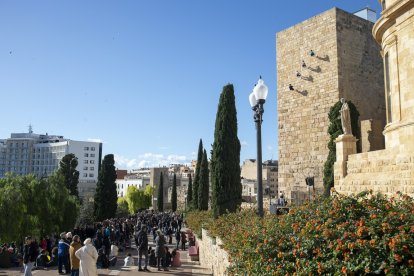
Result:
359,235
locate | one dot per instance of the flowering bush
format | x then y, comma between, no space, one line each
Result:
360,235
197,219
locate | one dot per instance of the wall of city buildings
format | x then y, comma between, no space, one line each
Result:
346,64
40,154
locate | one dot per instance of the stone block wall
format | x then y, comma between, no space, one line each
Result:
383,171
371,135
343,47
212,255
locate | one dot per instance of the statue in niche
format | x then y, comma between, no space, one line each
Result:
345,118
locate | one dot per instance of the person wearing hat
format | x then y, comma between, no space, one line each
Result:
63,254
75,245
29,256
88,257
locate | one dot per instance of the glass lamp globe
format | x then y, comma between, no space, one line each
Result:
252,100
260,90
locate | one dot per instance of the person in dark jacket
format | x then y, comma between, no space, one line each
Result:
63,254
142,247
29,256
160,244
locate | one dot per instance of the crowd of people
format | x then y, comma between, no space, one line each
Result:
83,250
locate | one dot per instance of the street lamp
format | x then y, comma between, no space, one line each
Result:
257,99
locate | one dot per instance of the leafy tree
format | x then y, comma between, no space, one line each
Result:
174,194
203,188
106,196
190,191
148,191
334,130
86,213
67,167
160,198
137,199
122,209
35,206
225,158
197,175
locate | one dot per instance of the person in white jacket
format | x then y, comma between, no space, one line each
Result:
88,257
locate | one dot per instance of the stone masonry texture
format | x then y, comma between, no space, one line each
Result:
347,64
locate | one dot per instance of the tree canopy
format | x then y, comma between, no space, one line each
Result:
174,194
225,157
160,198
67,167
203,188
197,175
106,195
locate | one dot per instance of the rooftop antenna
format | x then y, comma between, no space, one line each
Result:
30,128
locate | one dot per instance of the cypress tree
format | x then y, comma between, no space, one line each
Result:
203,187
106,197
190,191
67,167
334,130
174,194
197,175
160,198
225,158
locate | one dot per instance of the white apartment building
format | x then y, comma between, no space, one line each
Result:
138,181
40,154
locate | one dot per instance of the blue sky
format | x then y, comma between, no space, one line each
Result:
144,77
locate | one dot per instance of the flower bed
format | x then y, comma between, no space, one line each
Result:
340,235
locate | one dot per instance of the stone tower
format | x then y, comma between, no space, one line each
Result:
392,169
319,61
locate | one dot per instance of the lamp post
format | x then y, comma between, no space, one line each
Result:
270,196
257,99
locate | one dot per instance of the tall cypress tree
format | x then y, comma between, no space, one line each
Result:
106,197
174,194
203,187
67,167
160,198
225,158
190,191
197,175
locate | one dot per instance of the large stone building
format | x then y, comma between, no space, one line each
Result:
319,61
249,178
40,154
390,170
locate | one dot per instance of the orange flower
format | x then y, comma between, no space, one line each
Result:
397,258
344,270
410,263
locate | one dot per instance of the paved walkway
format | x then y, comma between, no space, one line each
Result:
188,267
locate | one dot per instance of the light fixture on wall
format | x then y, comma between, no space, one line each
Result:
303,64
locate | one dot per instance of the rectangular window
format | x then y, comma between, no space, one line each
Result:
85,161
92,154
85,168
86,155
86,148
92,148
92,168
388,87
91,162
85,175
91,175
